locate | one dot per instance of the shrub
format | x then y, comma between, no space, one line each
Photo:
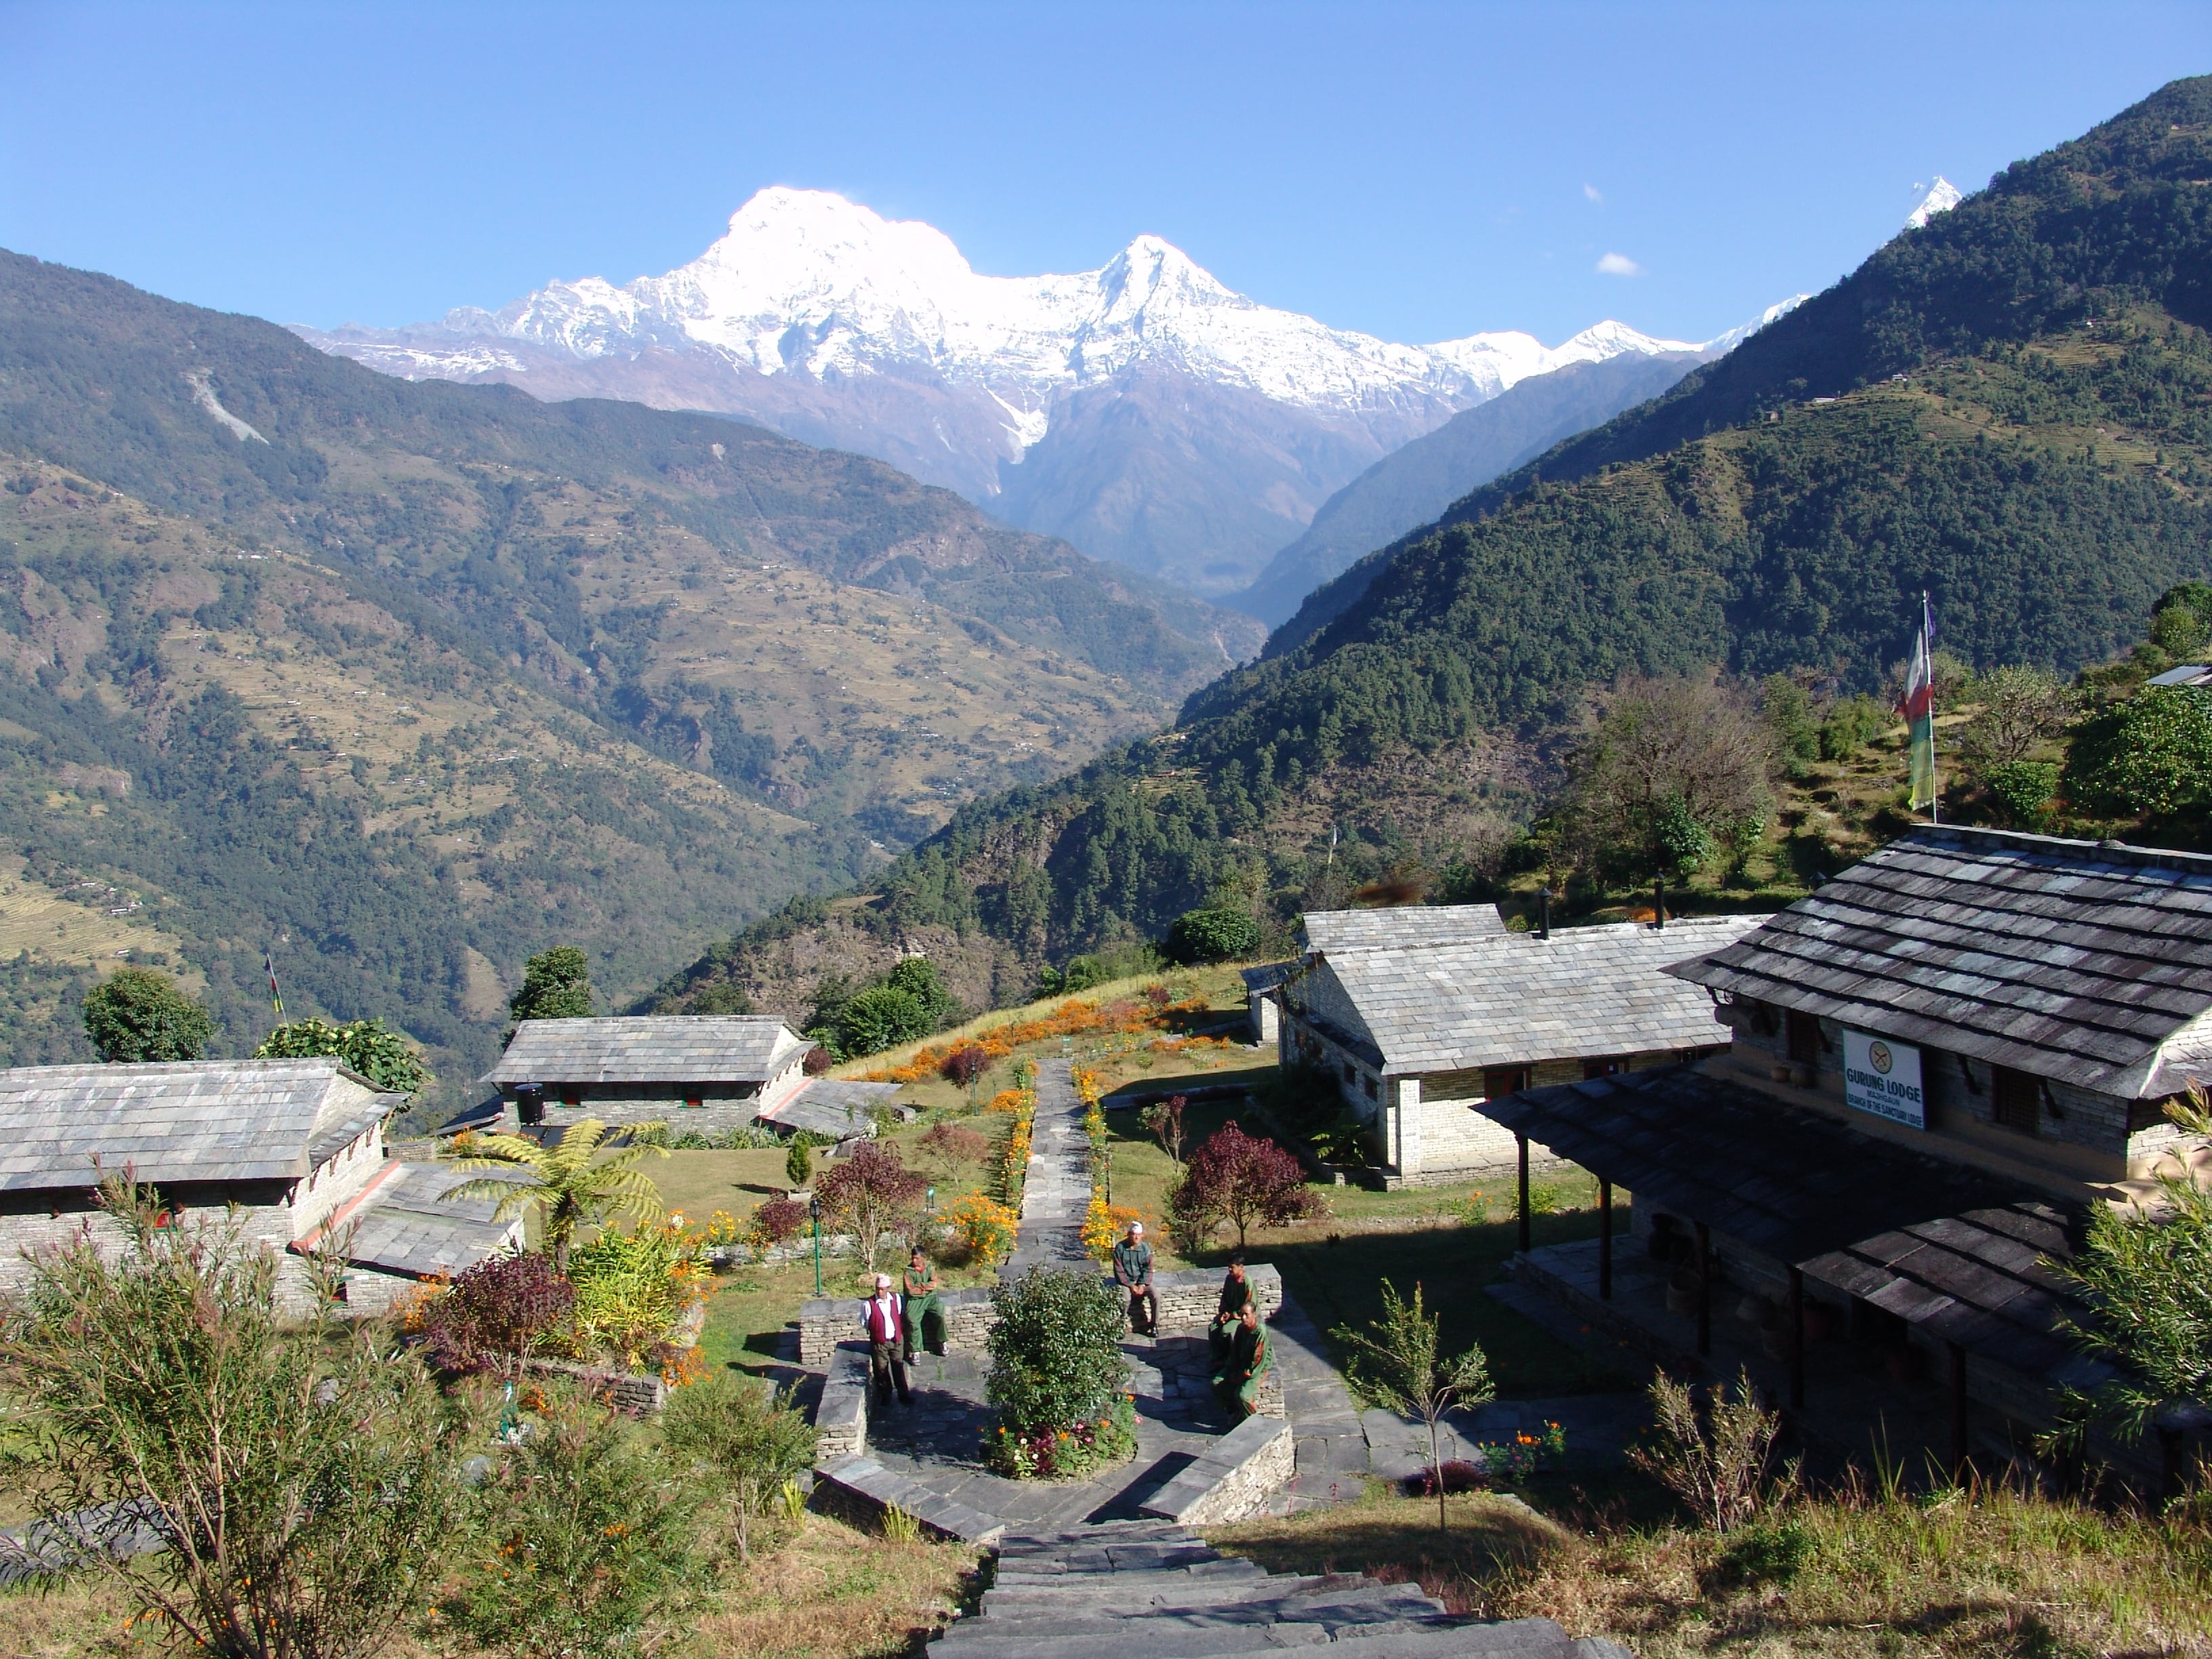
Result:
748,1436
136,1015
1243,1179
1055,1350
2152,756
302,1483
966,1065
1768,1552
2022,790
798,1164
1851,724
775,1222
1213,935
631,1291
881,1017
1718,1461
872,1191
1068,1454
956,1144
1398,1362
984,1227
1454,1474
366,1046
585,1544
556,984
489,1317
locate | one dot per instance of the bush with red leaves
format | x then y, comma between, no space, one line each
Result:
965,1064
1246,1181
957,1145
488,1317
777,1222
1459,1476
818,1059
871,1192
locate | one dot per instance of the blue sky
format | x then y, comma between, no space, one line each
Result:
1414,171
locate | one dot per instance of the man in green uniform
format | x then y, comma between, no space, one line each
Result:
1133,1271
1235,1292
1236,1384
925,1315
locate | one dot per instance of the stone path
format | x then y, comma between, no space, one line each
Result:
1056,1191
1156,1591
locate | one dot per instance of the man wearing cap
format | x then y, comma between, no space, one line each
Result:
1133,1271
1236,1384
1235,1292
924,1317
886,1330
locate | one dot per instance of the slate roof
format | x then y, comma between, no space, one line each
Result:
409,1226
1518,1000
1267,976
2188,674
186,1120
1400,926
833,1106
648,1048
2087,963
1945,1245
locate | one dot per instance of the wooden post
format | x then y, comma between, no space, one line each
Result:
1605,1241
1958,1413
1658,901
1704,1290
1520,1145
1797,1339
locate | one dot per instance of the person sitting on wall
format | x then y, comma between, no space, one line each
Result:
1133,1271
1237,1383
923,1312
886,1330
1235,1292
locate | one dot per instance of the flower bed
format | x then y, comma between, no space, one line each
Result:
1057,1378
1075,1453
1103,1222
1077,1017
1009,1170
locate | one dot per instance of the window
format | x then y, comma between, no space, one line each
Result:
1603,1067
2015,1098
1498,1081
572,1094
1805,1044
695,1101
1368,1083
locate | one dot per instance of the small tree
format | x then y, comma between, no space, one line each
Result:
1212,934
1246,1181
489,1317
556,984
584,1545
366,1046
965,1065
568,1184
1055,1350
748,1436
798,1163
956,1144
136,1015
303,1486
1716,1463
871,1192
918,977
880,1017
1164,1120
2151,757
1396,1363
2022,709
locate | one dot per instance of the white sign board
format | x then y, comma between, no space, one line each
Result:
1883,1077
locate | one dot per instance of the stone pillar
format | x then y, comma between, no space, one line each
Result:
1401,1101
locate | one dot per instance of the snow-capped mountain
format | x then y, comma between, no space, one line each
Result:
1943,196
1230,422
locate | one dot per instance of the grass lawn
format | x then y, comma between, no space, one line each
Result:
1850,1575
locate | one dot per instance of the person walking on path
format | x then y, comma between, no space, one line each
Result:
1236,1384
1235,1292
923,1312
1133,1271
886,1330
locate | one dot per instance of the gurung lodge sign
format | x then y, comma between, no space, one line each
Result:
1883,1077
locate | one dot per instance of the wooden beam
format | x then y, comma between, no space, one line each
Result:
1520,1145
1704,1290
1797,1339
1958,1413
1605,1241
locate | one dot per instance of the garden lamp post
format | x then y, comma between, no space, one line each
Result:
814,1211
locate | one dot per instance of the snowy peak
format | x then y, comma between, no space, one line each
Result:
1943,196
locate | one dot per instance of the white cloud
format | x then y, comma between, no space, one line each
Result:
1618,264
1594,193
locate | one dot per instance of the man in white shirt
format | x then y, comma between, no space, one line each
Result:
886,1323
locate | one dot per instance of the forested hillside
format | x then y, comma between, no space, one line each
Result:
2010,408
400,682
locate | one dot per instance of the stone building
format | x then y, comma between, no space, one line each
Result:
292,1150
1940,1060
1419,1012
706,1073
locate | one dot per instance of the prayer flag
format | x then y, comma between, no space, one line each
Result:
1918,710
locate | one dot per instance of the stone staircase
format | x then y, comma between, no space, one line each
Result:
1153,1590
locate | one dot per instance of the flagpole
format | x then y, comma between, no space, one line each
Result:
1928,647
276,996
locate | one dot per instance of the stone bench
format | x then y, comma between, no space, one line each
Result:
1231,1478
1187,1300
861,1489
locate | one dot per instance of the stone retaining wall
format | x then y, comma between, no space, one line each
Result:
1231,1478
1187,1300
841,1420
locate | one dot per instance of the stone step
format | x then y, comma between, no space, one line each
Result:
1138,1556
859,1484
1335,1608
1520,1638
1374,1610
1197,1578
1139,1594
